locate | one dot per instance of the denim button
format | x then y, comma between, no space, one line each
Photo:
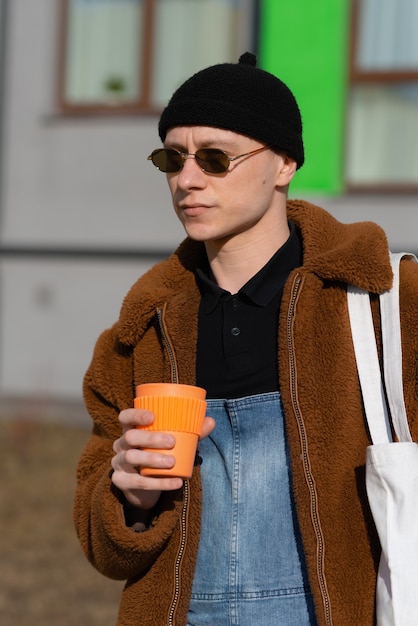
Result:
235,331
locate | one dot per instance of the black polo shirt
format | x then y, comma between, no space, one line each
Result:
237,333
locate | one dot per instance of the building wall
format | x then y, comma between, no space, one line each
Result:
84,184
74,184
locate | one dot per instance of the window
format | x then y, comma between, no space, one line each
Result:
383,107
128,56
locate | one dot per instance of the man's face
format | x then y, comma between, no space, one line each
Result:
244,202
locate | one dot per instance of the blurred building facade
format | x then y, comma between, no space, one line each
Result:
82,213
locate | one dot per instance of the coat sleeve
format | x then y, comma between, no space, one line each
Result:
114,549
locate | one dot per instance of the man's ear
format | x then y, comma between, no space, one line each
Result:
286,171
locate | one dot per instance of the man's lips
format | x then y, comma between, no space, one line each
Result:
194,209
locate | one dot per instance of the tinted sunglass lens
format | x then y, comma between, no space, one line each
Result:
212,160
167,160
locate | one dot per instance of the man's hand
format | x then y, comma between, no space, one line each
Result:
144,491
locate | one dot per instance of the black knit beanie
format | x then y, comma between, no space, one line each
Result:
242,98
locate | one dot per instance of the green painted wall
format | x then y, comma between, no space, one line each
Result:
305,43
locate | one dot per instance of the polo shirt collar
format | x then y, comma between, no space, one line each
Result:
264,285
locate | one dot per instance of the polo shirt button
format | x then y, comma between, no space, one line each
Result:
235,331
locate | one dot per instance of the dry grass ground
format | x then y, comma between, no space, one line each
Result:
45,579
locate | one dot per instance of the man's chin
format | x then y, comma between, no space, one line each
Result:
198,234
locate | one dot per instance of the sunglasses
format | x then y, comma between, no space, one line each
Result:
210,160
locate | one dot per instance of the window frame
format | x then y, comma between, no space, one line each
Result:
358,76
140,106
143,105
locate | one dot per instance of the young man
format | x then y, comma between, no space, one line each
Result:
273,528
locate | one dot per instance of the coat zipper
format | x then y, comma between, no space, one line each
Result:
305,455
184,513
168,345
176,594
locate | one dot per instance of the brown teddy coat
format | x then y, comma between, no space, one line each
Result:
155,340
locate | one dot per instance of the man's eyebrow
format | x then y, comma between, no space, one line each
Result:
174,145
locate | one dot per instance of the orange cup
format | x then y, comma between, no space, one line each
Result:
179,410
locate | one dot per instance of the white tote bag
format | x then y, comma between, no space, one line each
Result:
391,466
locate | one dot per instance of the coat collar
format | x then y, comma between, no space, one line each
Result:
349,253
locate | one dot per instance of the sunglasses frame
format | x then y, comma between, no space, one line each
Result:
199,160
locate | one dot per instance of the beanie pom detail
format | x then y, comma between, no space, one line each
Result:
248,59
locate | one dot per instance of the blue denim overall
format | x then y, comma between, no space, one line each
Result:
250,568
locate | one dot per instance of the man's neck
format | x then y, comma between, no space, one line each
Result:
234,262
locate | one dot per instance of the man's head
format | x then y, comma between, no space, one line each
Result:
242,98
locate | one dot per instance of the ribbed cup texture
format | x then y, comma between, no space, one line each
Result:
173,413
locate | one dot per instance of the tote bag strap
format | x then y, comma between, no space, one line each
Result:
368,366
392,350
365,349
